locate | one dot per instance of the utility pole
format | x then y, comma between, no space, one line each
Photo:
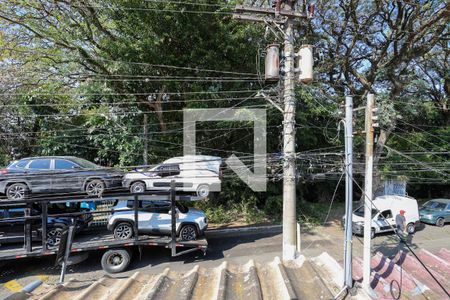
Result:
348,278
289,164
369,128
287,17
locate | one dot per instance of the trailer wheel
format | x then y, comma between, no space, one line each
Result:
116,260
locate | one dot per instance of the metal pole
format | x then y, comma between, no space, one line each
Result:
368,193
173,219
28,229
136,217
348,279
289,166
44,207
70,236
145,154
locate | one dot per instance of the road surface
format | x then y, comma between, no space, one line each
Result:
236,248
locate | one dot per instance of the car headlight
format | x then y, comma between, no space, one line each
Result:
359,223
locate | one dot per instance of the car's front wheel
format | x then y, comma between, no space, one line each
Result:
203,191
440,222
17,191
137,187
95,187
54,236
188,233
123,231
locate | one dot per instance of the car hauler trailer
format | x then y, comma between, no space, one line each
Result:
117,253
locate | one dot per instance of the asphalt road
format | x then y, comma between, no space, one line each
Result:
236,248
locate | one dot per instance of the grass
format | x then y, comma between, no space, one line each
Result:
233,213
247,212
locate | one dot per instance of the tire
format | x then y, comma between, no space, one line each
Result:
123,231
188,232
203,191
137,187
95,187
410,228
372,234
440,222
116,260
17,191
54,236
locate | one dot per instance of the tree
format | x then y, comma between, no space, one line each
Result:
374,47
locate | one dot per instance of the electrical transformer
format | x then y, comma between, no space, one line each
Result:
272,63
305,64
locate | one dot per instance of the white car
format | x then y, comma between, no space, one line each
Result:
384,210
154,217
198,174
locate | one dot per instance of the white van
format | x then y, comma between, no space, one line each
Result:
384,210
192,173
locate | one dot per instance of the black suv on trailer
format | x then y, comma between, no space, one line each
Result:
12,222
57,174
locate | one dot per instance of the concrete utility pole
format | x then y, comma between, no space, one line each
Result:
286,16
348,278
368,192
289,165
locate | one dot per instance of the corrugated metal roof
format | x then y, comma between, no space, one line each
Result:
300,279
316,278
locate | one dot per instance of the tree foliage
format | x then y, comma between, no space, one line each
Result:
78,77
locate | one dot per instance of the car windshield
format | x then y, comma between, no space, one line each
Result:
85,163
18,164
182,208
435,205
360,211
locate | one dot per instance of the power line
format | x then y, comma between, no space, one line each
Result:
126,113
112,104
127,94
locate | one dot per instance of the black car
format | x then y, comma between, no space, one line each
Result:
12,222
56,174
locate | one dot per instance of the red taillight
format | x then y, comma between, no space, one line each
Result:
3,171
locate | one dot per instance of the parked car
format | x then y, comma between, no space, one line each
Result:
12,230
154,217
194,173
56,174
385,209
436,211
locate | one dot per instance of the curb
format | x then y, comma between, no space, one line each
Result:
211,233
